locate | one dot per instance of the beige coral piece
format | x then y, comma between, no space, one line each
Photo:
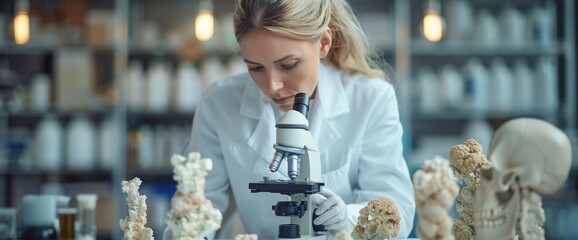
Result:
435,192
378,220
133,226
191,216
467,160
246,237
343,235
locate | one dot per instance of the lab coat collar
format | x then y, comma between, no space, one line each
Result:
330,102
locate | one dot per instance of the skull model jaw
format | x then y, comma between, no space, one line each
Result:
497,205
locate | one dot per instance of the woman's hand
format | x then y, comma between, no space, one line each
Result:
331,211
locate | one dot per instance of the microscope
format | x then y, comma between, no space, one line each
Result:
295,144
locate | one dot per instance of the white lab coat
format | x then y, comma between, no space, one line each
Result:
355,121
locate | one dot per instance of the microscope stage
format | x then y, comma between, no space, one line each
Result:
286,187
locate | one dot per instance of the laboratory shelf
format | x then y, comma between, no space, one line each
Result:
61,175
461,114
422,48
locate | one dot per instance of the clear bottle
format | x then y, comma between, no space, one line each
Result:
85,222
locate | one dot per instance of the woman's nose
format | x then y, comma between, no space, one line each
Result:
274,83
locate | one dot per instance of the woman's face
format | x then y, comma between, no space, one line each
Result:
283,67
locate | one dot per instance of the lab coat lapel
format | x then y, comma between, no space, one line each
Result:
255,105
331,102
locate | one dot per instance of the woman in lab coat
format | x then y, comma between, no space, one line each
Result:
317,47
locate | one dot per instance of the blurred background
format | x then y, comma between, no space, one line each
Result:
93,92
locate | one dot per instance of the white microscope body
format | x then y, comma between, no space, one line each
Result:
295,144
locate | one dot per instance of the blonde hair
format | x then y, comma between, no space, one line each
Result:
308,20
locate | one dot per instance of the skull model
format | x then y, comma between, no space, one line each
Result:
530,157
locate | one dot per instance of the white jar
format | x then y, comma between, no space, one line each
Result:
452,87
40,93
513,27
461,20
501,86
159,87
136,87
188,89
236,66
212,70
146,147
542,26
477,84
524,85
81,144
48,144
487,29
109,143
547,83
429,92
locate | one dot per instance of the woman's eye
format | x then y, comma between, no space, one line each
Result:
289,66
256,69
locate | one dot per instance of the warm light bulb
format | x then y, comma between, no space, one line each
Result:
433,26
21,28
204,25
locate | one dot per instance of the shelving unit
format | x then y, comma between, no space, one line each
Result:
405,51
437,127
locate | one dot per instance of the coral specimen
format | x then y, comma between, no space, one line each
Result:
246,237
467,161
435,192
192,216
343,235
378,220
134,225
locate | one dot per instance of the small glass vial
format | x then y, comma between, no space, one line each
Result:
85,224
67,219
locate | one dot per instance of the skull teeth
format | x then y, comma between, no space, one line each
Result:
490,223
489,217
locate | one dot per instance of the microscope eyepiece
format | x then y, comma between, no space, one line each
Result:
301,103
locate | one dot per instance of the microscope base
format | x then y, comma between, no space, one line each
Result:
309,237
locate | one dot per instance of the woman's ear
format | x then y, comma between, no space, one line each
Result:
325,42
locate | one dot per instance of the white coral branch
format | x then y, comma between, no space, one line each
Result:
435,191
133,225
192,216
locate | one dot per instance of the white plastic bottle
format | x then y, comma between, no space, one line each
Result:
212,70
48,144
159,87
461,20
452,87
487,29
524,85
81,144
513,27
477,84
136,87
188,88
429,93
236,66
146,147
547,83
109,143
542,26
40,93
502,87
